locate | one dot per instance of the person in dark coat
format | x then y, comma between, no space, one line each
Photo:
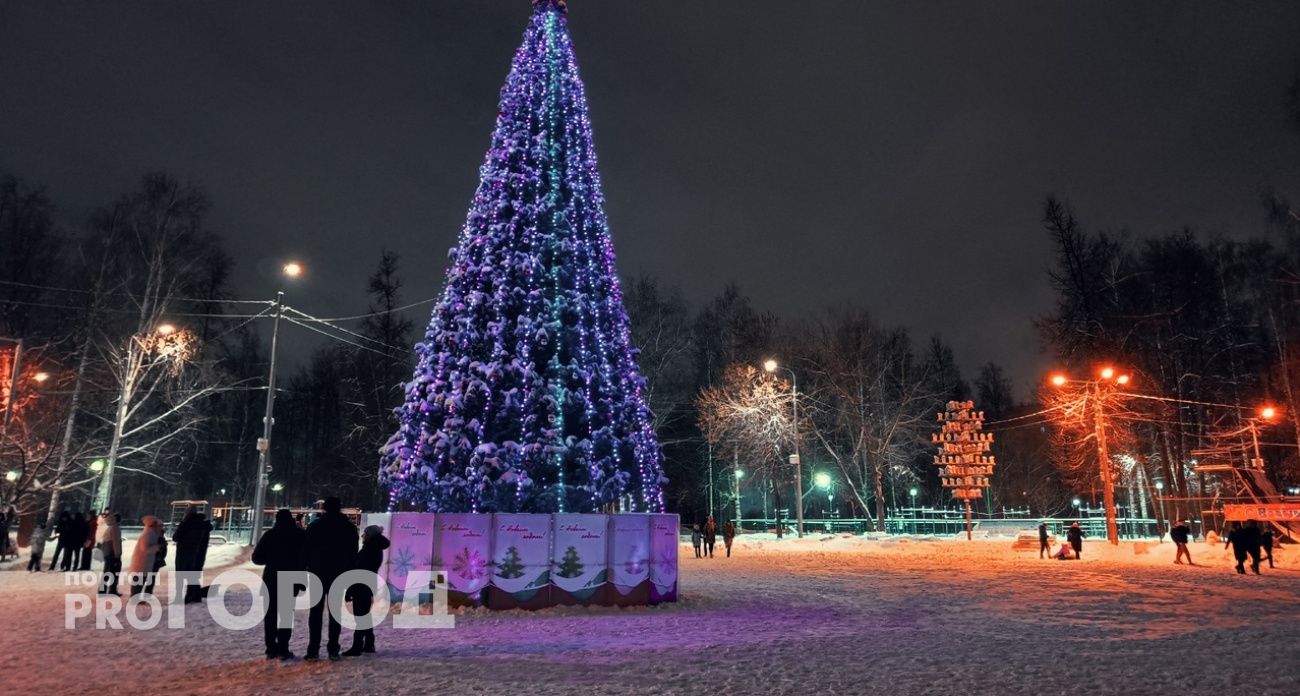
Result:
1044,546
61,528
1254,540
77,530
191,537
1266,540
369,558
710,536
5,521
1075,536
328,552
728,535
108,539
1181,534
697,539
279,549
1239,540
88,542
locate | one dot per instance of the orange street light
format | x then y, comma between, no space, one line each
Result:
293,269
166,329
1122,379
1107,372
1268,413
1059,380
41,376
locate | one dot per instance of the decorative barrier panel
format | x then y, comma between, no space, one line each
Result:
519,561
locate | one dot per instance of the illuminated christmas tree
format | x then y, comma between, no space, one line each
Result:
526,396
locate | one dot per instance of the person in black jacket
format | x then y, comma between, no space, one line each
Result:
1266,538
191,537
1075,536
279,549
369,558
328,551
1044,546
61,528
76,536
1239,540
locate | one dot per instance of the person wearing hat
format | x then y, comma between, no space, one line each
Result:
1075,536
369,558
329,549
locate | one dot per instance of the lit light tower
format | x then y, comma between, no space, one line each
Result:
1109,380
291,270
1160,508
773,366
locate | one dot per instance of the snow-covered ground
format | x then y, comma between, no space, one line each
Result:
817,615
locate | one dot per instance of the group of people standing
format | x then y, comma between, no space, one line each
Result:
80,537
704,539
74,535
327,548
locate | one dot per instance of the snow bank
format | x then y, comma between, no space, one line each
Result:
824,614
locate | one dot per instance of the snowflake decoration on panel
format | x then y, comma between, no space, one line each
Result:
469,564
526,395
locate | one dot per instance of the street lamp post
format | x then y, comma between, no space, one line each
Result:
773,366
912,492
1108,378
11,397
738,474
291,270
1160,509
823,481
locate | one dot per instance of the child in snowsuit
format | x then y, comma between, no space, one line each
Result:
696,539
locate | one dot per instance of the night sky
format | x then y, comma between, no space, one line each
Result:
891,154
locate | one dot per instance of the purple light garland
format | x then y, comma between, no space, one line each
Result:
526,396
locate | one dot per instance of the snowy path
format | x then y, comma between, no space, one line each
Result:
847,616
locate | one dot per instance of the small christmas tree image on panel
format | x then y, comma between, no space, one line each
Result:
510,566
569,565
526,395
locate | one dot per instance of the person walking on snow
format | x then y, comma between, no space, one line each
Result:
1266,539
1044,546
37,548
1240,543
77,530
191,537
108,539
279,550
1254,540
728,535
1075,536
710,536
329,549
1181,534
696,539
370,557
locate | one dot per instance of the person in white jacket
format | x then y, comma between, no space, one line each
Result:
142,558
108,541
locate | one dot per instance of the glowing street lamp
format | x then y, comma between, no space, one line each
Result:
97,466
822,479
737,475
41,377
291,270
166,329
1108,377
11,475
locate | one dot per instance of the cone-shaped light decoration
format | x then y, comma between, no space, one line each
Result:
526,396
